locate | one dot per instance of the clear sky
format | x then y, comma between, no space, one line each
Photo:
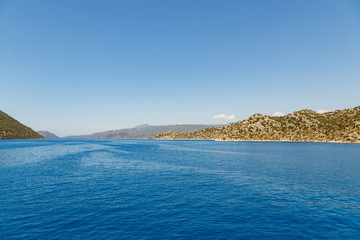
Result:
77,67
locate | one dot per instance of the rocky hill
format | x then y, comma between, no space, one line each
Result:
12,129
301,126
145,131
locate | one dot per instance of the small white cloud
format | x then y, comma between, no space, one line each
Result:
322,111
278,114
224,116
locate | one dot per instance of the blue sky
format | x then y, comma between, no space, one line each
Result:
77,67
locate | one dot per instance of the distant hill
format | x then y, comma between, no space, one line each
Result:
12,129
145,131
305,125
47,134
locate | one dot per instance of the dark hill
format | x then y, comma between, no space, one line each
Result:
12,129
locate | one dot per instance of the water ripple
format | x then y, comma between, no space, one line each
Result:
145,189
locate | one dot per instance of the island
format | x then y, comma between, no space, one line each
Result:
301,126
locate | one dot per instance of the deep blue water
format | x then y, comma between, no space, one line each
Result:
148,189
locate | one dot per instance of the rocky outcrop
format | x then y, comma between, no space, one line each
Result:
167,135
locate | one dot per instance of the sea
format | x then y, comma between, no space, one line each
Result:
168,189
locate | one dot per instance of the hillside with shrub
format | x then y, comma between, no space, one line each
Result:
301,126
12,129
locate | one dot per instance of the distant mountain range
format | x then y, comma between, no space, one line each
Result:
145,131
13,129
47,134
305,126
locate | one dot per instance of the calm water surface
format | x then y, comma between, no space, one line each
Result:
147,189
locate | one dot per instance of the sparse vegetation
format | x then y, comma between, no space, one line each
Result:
304,126
12,129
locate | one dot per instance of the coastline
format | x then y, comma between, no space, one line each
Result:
284,141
